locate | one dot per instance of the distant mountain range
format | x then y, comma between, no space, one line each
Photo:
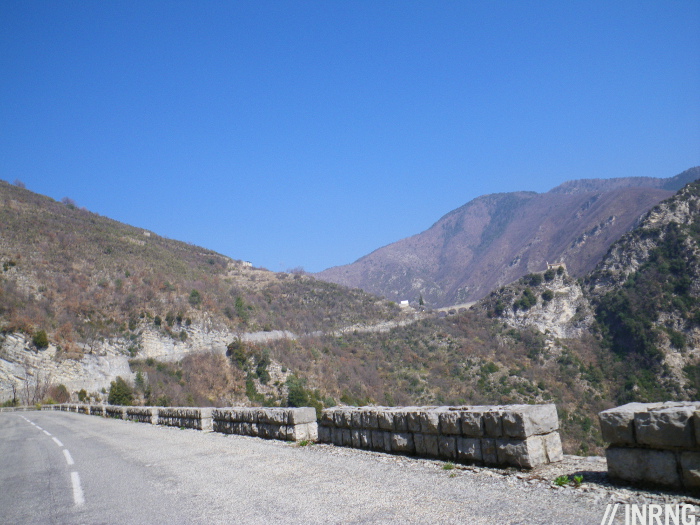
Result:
495,239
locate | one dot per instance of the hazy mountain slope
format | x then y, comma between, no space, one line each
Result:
495,239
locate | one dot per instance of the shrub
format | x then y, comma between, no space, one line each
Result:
195,298
120,393
40,340
82,395
297,395
59,393
547,295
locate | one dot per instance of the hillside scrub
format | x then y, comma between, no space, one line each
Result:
80,278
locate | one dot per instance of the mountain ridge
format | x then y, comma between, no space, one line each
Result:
496,238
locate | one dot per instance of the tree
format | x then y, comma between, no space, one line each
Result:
120,393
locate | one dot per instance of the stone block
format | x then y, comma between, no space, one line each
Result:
638,465
472,424
521,453
617,424
297,416
303,432
369,420
469,450
327,418
419,444
356,419
337,436
430,422
552,445
347,437
402,442
378,440
388,446
343,418
365,438
355,434
432,446
665,427
447,447
385,418
493,424
450,422
400,421
413,420
690,468
324,434
488,451
530,420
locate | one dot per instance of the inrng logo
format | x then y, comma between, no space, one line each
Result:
652,514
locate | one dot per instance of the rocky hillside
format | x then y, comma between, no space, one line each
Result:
80,294
496,239
642,301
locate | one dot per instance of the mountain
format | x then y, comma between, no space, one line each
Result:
495,239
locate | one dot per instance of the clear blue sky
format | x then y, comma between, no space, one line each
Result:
311,133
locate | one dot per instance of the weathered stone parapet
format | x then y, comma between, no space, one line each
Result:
523,436
287,424
142,414
197,418
97,410
115,411
654,443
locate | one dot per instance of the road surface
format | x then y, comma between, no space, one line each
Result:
58,467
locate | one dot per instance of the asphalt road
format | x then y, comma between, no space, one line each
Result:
58,467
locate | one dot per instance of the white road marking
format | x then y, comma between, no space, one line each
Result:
57,442
69,458
45,432
78,497
38,427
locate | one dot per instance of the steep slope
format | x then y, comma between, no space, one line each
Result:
80,294
642,299
495,239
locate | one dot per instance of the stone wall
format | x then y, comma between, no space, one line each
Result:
116,412
142,414
654,443
522,436
287,424
197,418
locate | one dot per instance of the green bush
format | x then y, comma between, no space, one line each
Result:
40,340
120,393
195,298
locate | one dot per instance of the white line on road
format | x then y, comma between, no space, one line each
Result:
57,442
45,432
78,497
38,427
69,458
